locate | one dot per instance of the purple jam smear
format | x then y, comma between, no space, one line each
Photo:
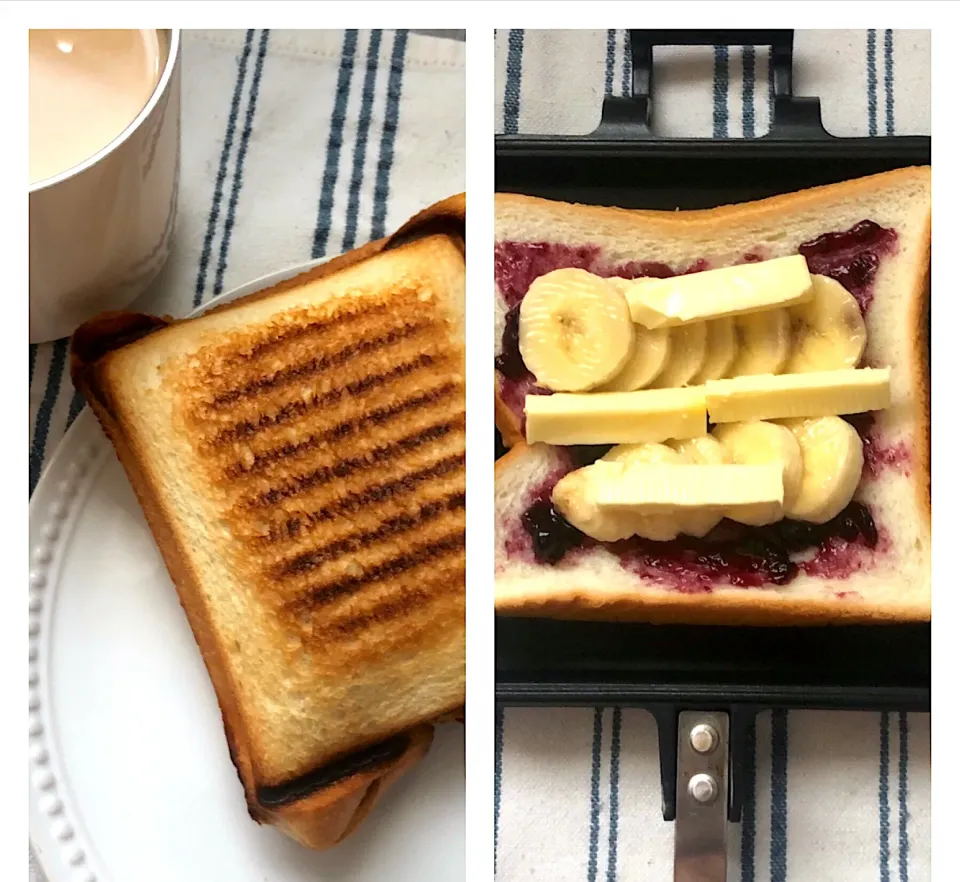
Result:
878,456
516,265
745,557
852,257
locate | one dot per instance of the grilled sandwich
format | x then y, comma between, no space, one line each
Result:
299,457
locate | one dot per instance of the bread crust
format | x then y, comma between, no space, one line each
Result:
731,607
324,817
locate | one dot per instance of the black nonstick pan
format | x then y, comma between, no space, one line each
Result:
725,675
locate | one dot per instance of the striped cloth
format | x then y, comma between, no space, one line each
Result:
296,145
836,796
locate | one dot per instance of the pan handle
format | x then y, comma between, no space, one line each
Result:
793,118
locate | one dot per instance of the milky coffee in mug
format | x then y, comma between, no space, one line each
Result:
104,169
86,87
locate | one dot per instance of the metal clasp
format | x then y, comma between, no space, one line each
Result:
703,783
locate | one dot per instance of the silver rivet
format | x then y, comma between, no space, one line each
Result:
76,857
35,603
38,579
703,738
43,554
52,531
703,788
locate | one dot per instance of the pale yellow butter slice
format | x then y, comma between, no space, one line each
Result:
646,487
784,396
732,290
650,415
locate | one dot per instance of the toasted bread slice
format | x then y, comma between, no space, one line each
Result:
299,455
890,583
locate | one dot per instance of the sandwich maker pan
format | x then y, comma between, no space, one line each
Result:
694,677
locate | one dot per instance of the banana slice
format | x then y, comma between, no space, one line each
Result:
575,330
574,498
832,462
758,443
688,350
828,331
659,527
651,349
705,450
721,350
763,343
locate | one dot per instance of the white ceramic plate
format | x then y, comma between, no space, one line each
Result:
130,776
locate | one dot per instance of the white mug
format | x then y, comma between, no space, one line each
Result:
101,231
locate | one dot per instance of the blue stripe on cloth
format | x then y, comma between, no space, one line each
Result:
388,137
33,360
222,170
331,168
778,796
608,70
241,157
883,797
360,144
76,405
888,77
872,82
748,818
626,86
614,796
511,92
721,81
497,780
749,84
903,838
595,796
41,429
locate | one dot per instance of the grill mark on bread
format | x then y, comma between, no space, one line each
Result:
318,364
325,594
297,332
298,408
304,563
367,496
382,613
347,427
346,467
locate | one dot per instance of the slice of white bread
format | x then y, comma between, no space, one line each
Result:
891,583
285,450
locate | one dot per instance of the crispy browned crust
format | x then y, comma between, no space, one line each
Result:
686,222
328,816
325,816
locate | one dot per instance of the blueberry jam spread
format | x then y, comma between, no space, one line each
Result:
851,257
731,554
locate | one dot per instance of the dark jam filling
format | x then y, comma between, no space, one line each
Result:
851,257
732,554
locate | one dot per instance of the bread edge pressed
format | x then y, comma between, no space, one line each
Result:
671,223
325,816
655,605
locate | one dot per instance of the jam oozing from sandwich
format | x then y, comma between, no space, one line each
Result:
852,257
879,455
